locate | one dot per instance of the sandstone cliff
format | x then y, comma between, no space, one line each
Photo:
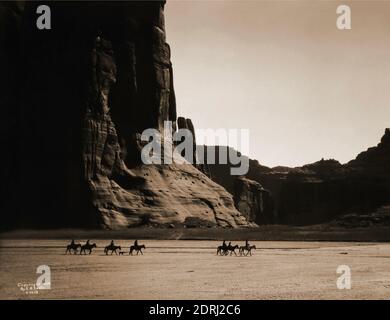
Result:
80,94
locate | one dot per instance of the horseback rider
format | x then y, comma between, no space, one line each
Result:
72,242
136,243
247,243
112,243
224,244
87,242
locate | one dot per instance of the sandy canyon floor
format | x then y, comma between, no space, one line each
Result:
185,269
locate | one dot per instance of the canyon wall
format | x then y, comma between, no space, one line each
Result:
78,98
317,192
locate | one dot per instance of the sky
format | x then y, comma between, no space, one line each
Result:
282,69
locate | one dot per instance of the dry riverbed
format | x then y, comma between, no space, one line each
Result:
186,269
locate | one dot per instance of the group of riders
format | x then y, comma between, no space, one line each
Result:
226,249
223,250
88,247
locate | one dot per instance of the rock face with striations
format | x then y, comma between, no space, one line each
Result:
83,93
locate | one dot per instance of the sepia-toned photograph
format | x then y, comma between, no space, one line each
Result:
220,150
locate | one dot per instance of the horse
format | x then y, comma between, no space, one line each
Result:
137,248
232,249
87,246
222,250
248,249
112,248
72,246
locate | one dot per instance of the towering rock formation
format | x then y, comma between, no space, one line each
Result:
183,123
81,95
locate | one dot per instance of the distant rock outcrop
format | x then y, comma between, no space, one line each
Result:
253,201
80,96
316,192
250,198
